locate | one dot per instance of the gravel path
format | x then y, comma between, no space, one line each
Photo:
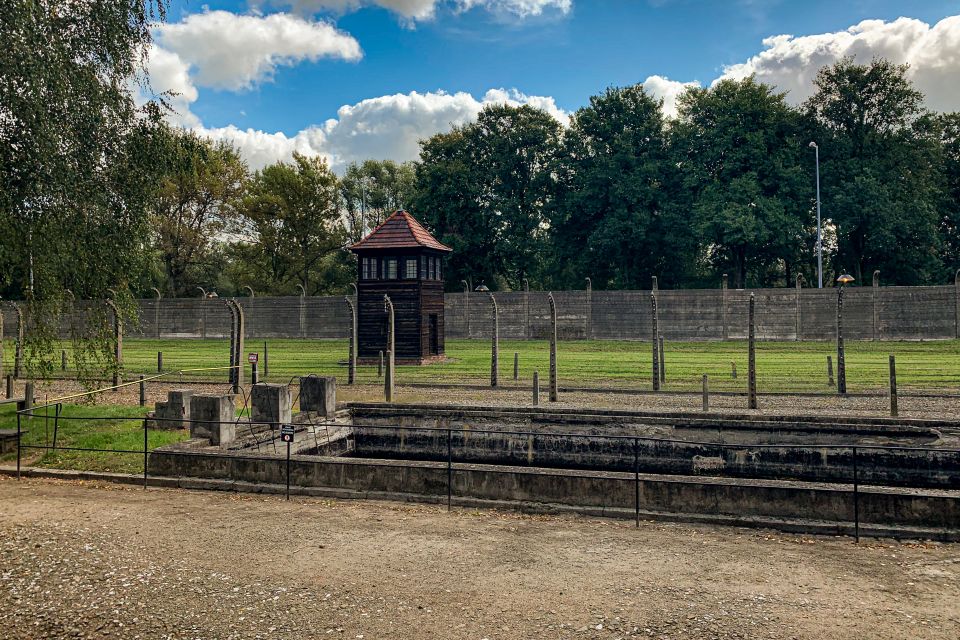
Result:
83,560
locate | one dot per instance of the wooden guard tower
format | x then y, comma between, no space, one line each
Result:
403,260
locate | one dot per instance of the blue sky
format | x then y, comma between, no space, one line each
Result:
570,51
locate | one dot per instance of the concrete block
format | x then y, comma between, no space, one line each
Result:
214,418
272,403
173,413
319,394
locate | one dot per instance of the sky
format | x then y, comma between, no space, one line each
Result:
357,79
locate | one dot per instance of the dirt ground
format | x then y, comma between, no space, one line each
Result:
943,407
84,560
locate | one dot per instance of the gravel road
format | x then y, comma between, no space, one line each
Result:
81,560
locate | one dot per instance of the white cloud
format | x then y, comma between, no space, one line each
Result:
668,90
230,51
168,73
388,127
933,53
420,10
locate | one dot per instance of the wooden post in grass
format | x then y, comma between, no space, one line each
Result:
516,365
159,361
28,398
143,392
266,361
380,366
536,388
9,385
654,341
63,360
554,395
733,370
894,409
830,371
706,394
1,342
752,357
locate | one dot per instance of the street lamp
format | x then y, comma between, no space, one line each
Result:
816,155
846,278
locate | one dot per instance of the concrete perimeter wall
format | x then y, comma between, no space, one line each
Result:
881,313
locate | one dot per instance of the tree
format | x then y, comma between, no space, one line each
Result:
738,145
292,213
484,189
195,205
948,126
880,170
612,219
75,175
372,190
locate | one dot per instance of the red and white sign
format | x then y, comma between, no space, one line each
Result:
253,357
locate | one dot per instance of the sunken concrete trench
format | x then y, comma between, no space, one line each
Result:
792,473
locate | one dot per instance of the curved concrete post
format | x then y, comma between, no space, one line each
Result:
352,358
156,311
249,289
752,356
203,312
876,304
554,395
956,297
799,316
1,343
303,310
18,345
391,350
723,306
117,343
655,342
841,360
495,345
231,378
466,306
588,314
241,333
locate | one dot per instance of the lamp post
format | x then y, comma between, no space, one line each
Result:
816,155
846,278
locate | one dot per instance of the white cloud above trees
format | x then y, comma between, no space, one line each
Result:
423,10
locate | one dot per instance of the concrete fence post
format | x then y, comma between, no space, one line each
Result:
302,319
588,312
723,306
28,396
799,315
894,409
495,345
352,356
654,286
526,308
117,343
18,345
231,376
1,342
752,356
241,334
663,366
956,301
266,360
466,306
554,395
841,359
876,302
388,378
830,382
156,311
655,343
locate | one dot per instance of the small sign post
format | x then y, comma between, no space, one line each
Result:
253,358
286,435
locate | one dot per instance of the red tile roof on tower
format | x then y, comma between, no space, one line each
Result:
400,231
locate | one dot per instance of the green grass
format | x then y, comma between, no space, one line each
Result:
781,366
108,431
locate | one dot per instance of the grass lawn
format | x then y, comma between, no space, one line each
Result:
109,431
781,366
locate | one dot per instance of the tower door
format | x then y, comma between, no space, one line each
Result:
434,335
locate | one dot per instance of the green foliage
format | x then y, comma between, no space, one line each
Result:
372,190
880,171
739,147
484,188
292,212
194,207
613,216
75,161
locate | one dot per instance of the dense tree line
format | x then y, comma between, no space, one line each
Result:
728,186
